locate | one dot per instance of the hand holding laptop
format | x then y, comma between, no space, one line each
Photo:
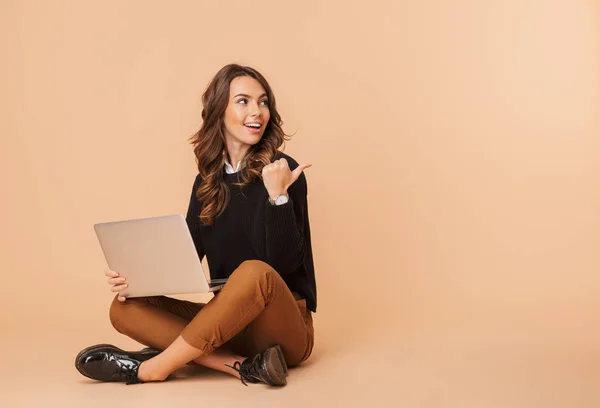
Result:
117,283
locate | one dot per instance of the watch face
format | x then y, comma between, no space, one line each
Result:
282,199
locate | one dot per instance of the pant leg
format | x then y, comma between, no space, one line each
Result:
279,325
255,309
155,321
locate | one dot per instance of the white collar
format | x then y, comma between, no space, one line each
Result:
229,168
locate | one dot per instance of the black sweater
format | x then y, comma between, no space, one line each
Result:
252,228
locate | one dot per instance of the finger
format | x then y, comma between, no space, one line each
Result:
118,288
121,298
114,281
284,163
296,173
110,273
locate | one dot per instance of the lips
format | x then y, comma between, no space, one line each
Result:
254,129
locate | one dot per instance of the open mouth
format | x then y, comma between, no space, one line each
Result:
253,125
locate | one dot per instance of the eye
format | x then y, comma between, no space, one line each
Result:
243,100
265,102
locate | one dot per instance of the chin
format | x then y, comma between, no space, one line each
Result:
252,140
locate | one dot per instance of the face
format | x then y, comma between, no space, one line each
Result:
247,113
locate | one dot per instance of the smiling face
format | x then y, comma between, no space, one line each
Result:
247,114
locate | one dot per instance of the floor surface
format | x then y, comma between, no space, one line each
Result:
380,365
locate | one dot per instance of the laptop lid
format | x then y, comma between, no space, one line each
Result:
157,256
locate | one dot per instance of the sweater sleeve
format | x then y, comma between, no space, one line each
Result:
193,219
284,226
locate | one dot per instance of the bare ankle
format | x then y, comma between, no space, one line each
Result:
146,372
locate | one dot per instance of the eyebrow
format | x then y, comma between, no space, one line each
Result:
248,96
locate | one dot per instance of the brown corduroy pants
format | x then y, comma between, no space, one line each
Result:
254,310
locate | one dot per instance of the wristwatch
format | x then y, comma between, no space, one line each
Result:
280,199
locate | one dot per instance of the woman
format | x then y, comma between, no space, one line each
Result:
248,215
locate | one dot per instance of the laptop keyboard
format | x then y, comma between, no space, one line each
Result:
216,282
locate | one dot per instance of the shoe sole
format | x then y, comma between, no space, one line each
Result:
141,355
274,366
280,353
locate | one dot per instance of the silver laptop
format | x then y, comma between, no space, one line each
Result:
157,256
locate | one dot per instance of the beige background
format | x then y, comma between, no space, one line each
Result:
455,150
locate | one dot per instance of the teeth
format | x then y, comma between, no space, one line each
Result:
254,125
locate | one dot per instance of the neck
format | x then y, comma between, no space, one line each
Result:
236,154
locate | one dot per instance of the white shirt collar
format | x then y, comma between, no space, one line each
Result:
229,168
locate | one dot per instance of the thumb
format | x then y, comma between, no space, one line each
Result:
296,173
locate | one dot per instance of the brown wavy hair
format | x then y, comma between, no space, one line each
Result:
210,148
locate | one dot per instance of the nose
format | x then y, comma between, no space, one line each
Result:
254,109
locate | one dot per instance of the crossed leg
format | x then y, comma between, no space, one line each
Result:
254,310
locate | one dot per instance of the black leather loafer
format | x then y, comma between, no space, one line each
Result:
105,362
268,367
